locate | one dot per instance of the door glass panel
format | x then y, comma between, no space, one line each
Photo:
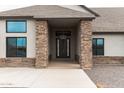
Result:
68,47
57,47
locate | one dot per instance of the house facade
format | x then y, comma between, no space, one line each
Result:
37,35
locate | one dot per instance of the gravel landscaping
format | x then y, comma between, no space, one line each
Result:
107,76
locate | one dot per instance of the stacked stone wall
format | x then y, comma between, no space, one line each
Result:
41,44
17,62
85,57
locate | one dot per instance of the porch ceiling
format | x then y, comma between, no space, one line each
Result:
62,23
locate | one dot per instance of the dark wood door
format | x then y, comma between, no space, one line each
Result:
63,48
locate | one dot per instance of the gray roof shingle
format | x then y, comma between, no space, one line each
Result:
110,20
46,11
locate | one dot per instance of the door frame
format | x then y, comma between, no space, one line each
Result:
69,48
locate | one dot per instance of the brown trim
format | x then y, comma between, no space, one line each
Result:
87,19
80,18
15,17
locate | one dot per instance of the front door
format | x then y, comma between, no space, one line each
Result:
63,44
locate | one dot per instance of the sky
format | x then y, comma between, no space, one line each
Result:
12,4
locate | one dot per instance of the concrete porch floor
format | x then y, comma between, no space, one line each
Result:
64,65
51,77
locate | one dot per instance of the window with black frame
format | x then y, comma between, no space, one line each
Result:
16,46
98,46
16,26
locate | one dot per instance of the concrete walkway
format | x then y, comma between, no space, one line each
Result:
44,78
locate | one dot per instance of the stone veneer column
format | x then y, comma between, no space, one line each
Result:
85,44
41,44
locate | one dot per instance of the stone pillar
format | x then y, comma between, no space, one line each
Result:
41,44
85,44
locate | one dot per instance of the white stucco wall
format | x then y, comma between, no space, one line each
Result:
30,38
113,44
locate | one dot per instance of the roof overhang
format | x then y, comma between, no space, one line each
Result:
45,18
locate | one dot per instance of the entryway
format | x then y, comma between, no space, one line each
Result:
63,43
63,39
